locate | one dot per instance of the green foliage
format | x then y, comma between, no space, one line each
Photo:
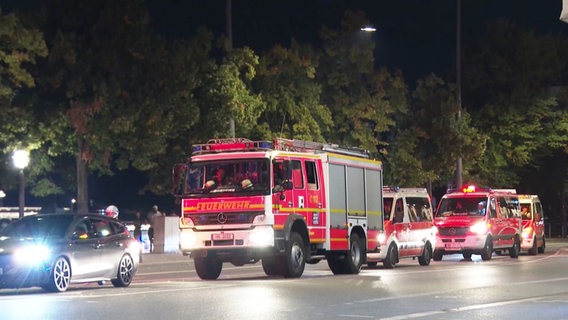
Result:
287,83
362,102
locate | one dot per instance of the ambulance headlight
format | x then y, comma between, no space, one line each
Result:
479,228
527,232
381,238
262,237
30,255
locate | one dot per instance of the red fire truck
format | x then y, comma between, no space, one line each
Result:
283,202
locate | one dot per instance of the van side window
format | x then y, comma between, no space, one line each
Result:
493,208
419,209
398,212
312,175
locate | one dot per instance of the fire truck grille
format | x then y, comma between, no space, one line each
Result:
205,219
450,232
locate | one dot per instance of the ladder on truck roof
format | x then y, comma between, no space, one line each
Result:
310,146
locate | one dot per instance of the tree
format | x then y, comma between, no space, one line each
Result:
362,101
287,83
20,48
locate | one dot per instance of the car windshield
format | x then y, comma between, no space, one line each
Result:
228,176
38,227
466,206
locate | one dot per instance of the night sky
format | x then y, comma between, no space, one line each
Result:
416,36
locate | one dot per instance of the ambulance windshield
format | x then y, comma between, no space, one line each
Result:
466,206
228,176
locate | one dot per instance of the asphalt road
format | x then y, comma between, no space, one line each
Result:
166,287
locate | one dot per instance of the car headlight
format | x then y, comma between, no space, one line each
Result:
479,228
33,254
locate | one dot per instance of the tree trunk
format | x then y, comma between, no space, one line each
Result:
82,180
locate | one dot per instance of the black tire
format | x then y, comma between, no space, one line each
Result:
437,255
543,247
467,255
336,265
487,250
125,272
271,266
533,250
354,258
515,249
424,259
60,276
208,267
294,260
392,257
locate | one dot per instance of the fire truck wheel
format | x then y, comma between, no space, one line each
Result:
294,260
515,249
543,247
271,266
391,258
426,256
437,255
487,249
208,267
354,258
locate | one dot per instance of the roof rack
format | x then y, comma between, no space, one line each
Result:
310,146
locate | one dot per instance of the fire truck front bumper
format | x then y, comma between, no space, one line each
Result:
192,239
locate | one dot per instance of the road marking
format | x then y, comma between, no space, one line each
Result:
461,309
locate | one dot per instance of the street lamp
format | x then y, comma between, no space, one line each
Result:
21,160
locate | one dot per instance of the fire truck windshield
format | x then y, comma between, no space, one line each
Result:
228,176
466,206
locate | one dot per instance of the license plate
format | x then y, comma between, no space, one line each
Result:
221,236
453,245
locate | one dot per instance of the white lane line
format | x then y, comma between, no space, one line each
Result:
461,309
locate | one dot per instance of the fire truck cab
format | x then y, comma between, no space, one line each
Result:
409,228
476,220
533,224
285,203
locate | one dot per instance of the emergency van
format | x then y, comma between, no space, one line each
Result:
533,224
476,220
408,227
283,202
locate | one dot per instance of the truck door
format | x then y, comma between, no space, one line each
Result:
401,226
315,197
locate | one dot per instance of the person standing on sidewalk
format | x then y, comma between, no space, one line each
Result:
151,219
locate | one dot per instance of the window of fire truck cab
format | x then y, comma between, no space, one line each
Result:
227,176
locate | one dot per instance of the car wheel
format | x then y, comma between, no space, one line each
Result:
294,260
426,256
437,255
60,276
515,249
391,258
467,255
208,267
487,250
543,247
533,250
125,272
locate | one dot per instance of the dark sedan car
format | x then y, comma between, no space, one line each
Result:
53,251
